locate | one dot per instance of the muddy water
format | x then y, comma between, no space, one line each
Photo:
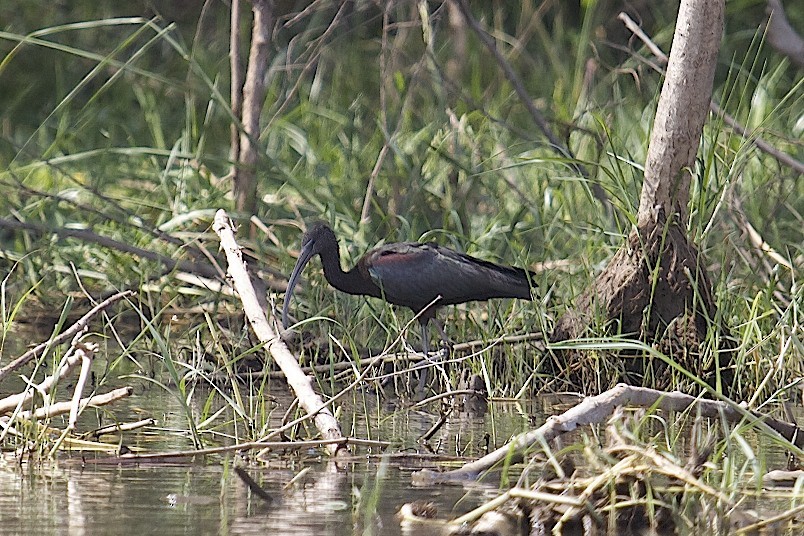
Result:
83,494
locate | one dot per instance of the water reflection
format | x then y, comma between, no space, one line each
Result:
83,496
207,499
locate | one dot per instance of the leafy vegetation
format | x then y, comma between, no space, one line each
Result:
119,126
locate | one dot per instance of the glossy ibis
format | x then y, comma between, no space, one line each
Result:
421,276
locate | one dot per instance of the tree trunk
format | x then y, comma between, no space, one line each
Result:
245,178
656,287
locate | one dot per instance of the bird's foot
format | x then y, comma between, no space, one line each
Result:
446,347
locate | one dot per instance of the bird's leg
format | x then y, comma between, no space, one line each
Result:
424,373
446,343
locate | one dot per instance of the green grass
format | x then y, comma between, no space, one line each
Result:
128,137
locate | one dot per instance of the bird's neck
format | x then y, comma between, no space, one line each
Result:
351,282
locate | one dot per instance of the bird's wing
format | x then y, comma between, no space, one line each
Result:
414,274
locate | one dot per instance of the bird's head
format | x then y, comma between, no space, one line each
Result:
318,238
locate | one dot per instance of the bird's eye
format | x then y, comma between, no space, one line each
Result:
386,253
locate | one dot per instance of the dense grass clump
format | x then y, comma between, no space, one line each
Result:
393,125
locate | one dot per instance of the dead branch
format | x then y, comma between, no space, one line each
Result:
298,381
597,409
79,326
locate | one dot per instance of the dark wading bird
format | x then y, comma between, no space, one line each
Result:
421,276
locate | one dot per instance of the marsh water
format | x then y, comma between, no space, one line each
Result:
305,492
92,493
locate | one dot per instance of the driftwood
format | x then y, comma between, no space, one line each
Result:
298,381
597,409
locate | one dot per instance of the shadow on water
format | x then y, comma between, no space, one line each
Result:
81,494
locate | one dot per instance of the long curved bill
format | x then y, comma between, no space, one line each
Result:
305,255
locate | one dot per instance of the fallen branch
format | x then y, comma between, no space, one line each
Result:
60,408
597,409
298,381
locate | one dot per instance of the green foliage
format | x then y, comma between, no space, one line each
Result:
121,126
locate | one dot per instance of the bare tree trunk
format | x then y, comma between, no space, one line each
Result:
655,287
682,110
245,179
236,85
